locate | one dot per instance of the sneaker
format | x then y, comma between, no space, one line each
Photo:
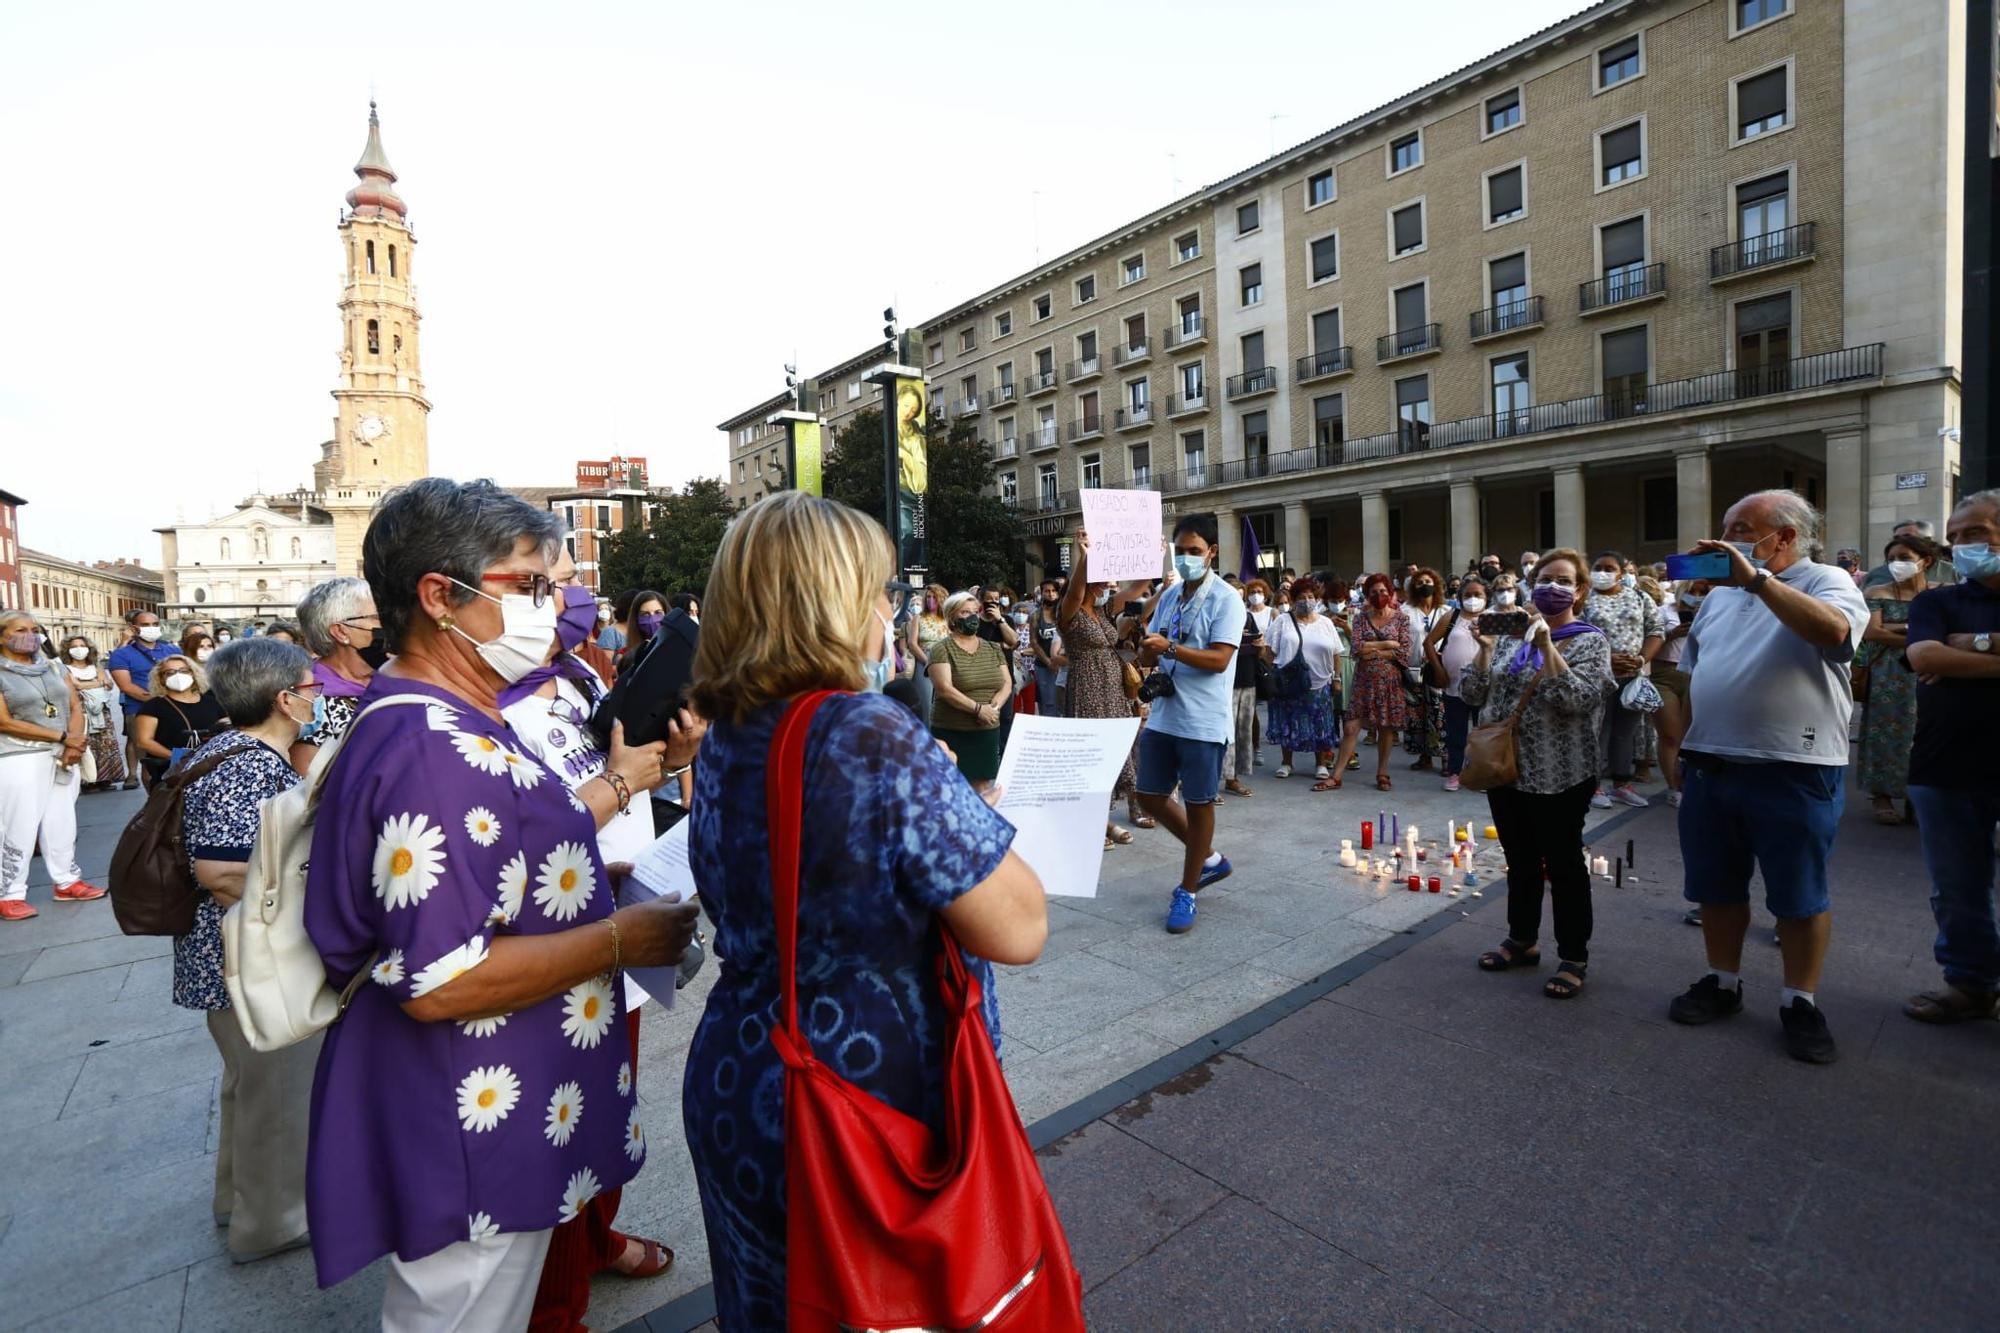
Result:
1215,873
16,909
1806,1037
78,892
1692,916
1674,799
1180,913
1451,782
1626,796
1706,1001
1599,801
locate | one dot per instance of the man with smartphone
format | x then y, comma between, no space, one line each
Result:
1764,759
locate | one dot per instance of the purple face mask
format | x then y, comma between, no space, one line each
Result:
25,642
649,624
1552,599
577,619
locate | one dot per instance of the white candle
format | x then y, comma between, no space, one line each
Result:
1347,851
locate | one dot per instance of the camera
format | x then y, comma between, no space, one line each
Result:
1157,685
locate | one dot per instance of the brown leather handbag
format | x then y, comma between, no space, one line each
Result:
1492,752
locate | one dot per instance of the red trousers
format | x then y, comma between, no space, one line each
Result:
580,1248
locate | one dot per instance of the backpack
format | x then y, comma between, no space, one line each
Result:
277,982
152,889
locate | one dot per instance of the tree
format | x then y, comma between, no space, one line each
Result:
974,536
674,552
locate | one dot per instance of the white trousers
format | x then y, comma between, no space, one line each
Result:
475,1286
33,805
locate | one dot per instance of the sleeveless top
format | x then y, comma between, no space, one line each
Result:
38,695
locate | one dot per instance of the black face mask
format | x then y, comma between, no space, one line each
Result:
376,653
1490,571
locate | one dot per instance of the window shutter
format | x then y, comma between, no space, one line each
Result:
1409,227
1772,312
1622,144
1325,258
1761,97
1770,187
1624,353
1253,353
1625,243
1409,308
1510,272
1505,192
1326,330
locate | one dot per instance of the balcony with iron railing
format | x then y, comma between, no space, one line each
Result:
1507,318
1625,286
1755,254
1418,340
1051,502
967,406
1006,447
1041,382
1043,436
1187,331
1136,417
1002,395
1251,383
1086,428
1186,404
1085,368
1326,361
1125,354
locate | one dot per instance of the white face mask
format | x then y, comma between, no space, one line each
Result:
150,633
78,654
1604,580
222,638
527,632
1256,600
1472,606
180,682
1902,571
1691,599
1307,607
203,654
1505,597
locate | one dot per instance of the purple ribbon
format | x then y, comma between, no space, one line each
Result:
565,664
1529,658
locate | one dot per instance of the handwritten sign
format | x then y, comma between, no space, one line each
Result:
1124,528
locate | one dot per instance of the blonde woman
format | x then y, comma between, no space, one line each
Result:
178,715
897,841
923,631
971,682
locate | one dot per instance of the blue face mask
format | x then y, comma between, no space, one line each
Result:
882,668
1191,568
1749,550
1975,560
308,730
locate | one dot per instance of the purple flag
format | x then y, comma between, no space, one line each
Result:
1251,552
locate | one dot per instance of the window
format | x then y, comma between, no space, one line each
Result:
1763,212
1659,509
1764,343
1325,258
1503,111
1621,154
1406,152
1003,323
1319,188
1619,62
968,390
1086,290
1007,436
374,337
1748,14
1190,313
1191,382
1406,229
1003,377
934,354
853,390
1253,355
1256,444
1252,284
1412,310
392,261
1187,246
1133,269
1135,333
966,340
1138,396
1194,456
1042,306
1625,371
1045,426
1329,420
1326,331
1509,277
371,259
1506,198
1762,103
1086,352
1624,259
1247,218
1510,393
1045,366
1413,412
1093,472
1140,465
1087,413
1045,485
1010,488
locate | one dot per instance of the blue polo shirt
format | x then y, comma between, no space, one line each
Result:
139,658
1957,717
1212,617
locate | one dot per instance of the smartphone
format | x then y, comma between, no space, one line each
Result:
1493,624
1711,565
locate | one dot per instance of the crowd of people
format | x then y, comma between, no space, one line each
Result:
471,1115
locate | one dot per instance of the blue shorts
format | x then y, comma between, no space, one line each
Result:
1167,761
1777,818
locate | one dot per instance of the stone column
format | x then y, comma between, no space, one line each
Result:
1229,541
1696,507
1298,536
1465,534
1847,491
1569,506
1374,532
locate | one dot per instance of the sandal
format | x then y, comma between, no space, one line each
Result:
654,1259
1886,812
1284,771
1510,954
1235,788
1138,818
1567,983
1951,1005
1118,835
1327,784
1382,782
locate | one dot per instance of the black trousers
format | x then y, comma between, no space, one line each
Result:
1543,837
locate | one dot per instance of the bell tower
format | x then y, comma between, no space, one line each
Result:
379,439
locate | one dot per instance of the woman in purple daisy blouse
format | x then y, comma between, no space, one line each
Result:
478,1092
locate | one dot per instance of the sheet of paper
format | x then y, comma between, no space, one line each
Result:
663,872
1124,528
1055,785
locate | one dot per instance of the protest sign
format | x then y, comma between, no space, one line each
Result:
1124,528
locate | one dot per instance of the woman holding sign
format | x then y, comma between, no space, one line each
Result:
1086,621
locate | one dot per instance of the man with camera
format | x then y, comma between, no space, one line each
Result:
1189,654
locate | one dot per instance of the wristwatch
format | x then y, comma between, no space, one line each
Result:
1982,643
1173,650
1757,584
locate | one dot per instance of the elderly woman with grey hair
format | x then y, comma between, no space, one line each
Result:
267,688
474,1094
341,630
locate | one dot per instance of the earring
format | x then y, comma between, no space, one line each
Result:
446,622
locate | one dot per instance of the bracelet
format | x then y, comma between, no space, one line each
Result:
673,773
618,789
617,946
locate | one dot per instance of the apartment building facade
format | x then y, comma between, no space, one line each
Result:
1587,291
69,597
757,444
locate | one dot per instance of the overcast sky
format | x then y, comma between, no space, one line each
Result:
628,216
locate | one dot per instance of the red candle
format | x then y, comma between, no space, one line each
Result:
1437,885
1416,883
1367,834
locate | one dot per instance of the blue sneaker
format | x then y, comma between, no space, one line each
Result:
1180,915
1219,871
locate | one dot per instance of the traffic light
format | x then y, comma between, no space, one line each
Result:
889,327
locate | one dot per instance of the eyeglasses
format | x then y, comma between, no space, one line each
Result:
563,710
535,585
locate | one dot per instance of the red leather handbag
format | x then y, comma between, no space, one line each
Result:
889,1226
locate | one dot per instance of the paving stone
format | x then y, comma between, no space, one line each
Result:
1216,944
34,1094
1050,1080
1054,1003
90,955
1119,1198
59,923
279,1292
138,1071
12,965
1321,950
147,1307
74,1158
1072,930
1188,1015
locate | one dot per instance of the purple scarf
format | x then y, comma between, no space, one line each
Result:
566,664
1529,658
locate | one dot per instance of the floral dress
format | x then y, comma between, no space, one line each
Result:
1097,682
436,833
1381,696
1889,718
892,834
219,818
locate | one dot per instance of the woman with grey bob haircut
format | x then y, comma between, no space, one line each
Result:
338,623
266,687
